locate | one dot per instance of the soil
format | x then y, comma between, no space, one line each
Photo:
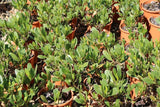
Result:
80,31
153,6
143,101
49,96
153,21
115,30
6,10
126,28
94,80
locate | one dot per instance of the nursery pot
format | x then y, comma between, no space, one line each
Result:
107,28
36,24
154,30
123,33
67,103
148,13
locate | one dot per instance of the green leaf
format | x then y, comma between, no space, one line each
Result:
14,57
148,80
108,56
55,79
115,91
2,23
67,89
69,59
158,104
153,98
56,93
30,72
117,103
119,72
46,49
49,85
44,98
1,90
107,104
158,91
81,99
41,56
98,89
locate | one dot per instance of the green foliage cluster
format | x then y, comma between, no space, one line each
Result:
99,58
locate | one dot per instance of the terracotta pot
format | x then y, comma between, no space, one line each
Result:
67,103
133,81
154,31
148,13
124,34
36,24
71,35
107,28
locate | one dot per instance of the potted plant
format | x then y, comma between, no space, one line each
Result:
115,56
84,99
102,15
150,8
108,89
56,95
22,88
129,13
139,68
77,18
154,28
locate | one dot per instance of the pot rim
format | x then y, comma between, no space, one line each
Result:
154,12
58,105
120,27
152,23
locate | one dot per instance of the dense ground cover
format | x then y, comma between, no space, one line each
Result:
80,53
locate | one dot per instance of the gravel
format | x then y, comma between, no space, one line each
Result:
153,6
153,21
